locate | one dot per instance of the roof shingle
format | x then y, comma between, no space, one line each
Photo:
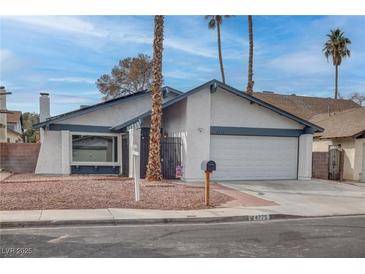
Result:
306,107
349,123
13,116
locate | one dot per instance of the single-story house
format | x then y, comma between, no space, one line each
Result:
248,138
14,126
345,129
344,126
11,127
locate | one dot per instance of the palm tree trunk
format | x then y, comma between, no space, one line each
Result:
154,160
220,51
336,83
250,83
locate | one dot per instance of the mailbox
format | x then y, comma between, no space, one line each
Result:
208,166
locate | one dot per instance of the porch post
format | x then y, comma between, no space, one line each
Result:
305,157
120,153
65,152
134,142
362,173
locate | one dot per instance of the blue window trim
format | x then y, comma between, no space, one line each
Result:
251,131
80,128
82,169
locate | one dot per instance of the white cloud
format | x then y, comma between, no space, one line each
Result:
73,80
191,47
60,23
9,61
130,31
301,63
72,99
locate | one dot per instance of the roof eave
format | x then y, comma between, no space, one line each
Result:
88,109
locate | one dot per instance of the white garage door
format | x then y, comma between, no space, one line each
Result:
254,157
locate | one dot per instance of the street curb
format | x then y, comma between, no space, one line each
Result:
187,220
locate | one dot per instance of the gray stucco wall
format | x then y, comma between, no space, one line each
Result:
198,133
228,109
50,154
115,115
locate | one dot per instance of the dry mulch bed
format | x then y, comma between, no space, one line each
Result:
81,192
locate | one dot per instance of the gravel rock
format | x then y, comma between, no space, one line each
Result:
78,192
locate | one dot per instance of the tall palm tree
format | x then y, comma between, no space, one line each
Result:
337,47
215,22
250,82
154,160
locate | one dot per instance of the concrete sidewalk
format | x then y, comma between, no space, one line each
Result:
20,218
4,175
119,215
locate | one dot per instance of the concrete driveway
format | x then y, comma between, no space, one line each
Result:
307,198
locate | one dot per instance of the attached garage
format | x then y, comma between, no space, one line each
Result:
254,157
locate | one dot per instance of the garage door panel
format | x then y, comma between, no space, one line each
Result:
254,157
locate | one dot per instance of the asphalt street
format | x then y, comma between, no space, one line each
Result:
317,237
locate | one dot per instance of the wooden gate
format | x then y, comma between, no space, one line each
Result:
170,155
335,163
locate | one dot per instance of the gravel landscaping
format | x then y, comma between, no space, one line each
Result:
21,192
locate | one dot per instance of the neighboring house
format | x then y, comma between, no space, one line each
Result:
248,138
343,122
11,127
347,130
14,126
306,107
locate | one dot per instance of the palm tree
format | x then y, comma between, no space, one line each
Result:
336,47
154,161
215,21
250,82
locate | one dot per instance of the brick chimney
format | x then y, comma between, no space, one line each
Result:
44,108
3,118
44,111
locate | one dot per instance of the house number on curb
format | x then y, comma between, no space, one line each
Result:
258,218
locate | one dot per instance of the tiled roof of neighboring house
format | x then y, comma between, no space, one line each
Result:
349,123
13,116
13,131
306,107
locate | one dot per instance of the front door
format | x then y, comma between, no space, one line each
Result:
170,153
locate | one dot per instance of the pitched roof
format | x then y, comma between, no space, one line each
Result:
13,131
306,107
108,103
349,123
213,84
13,116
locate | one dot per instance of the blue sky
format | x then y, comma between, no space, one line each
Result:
64,55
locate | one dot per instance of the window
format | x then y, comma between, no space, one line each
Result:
11,126
89,148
